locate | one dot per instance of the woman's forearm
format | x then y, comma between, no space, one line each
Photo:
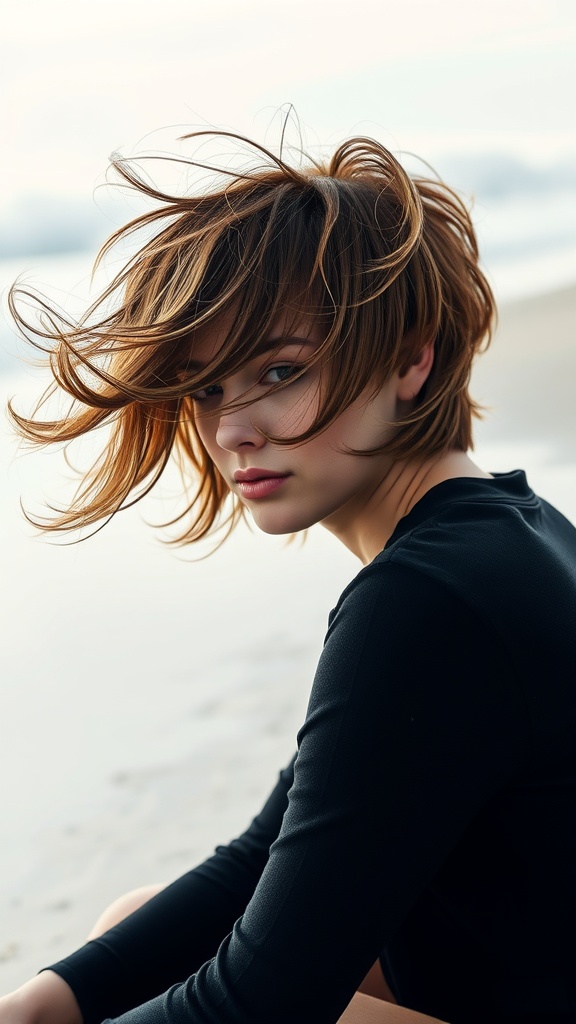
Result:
45,999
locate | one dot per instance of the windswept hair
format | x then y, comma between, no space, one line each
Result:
386,262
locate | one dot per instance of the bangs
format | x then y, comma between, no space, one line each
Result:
258,266
278,252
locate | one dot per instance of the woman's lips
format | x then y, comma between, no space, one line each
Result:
258,483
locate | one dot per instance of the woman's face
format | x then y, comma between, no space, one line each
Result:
289,488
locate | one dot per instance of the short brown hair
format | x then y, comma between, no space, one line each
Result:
386,261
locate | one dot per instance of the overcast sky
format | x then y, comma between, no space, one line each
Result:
83,77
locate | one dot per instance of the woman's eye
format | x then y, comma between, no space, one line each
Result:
212,391
278,374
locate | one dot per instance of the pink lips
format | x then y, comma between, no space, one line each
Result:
258,483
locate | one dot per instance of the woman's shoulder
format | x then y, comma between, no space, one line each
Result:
478,534
492,549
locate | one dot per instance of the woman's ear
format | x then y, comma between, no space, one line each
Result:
415,376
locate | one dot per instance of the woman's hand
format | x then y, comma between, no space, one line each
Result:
45,999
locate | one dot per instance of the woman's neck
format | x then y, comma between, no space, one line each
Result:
366,530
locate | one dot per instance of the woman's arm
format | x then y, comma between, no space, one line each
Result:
406,738
45,999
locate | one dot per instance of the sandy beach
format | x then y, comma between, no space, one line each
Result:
148,700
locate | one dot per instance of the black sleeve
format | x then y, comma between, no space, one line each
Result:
173,934
414,722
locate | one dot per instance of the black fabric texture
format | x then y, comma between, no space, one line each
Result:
428,818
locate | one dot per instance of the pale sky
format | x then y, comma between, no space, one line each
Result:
81,78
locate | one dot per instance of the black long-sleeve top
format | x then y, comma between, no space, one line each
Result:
429,816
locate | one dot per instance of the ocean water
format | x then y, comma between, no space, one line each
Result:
527,242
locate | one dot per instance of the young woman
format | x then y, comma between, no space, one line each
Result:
302,340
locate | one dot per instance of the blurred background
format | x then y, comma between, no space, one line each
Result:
147,699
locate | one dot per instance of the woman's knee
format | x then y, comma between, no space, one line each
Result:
123,907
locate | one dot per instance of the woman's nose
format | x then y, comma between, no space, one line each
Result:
236,430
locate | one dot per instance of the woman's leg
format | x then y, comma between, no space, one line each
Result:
364,1009
375,984
124,906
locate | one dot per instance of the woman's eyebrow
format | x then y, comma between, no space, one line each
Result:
267,345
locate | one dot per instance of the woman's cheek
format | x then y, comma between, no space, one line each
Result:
295,413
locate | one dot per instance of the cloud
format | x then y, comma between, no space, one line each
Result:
498,175
38,225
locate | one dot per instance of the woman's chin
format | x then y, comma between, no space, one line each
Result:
280,525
